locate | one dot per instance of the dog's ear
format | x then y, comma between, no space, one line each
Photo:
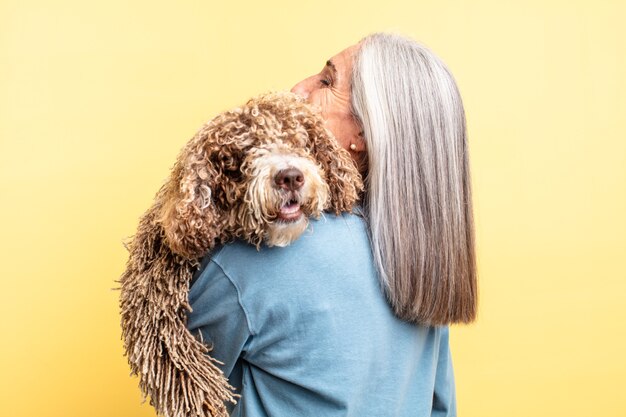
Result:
206,183
188,214
342,175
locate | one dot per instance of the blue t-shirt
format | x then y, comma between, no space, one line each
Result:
305,330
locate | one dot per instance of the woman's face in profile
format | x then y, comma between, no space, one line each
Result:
330,90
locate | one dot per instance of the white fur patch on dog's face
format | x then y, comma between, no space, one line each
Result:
264,199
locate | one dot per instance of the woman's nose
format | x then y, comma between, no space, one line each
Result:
301,90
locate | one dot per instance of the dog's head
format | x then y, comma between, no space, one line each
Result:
257,172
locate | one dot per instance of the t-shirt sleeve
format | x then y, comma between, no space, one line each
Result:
219,317
444,399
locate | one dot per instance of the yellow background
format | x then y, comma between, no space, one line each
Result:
97,98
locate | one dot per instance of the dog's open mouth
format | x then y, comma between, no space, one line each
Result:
290,211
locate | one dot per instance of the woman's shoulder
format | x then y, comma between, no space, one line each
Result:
331,259
331,245
328,231
328,241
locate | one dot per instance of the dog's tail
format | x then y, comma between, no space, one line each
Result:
173,366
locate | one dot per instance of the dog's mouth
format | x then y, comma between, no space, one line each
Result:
290,211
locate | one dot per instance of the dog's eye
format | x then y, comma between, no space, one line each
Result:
325,82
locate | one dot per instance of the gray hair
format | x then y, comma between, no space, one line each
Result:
418,200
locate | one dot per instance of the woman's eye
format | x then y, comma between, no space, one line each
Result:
325,82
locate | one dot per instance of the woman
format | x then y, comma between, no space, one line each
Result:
331,326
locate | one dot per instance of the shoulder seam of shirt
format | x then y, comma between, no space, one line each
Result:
238,291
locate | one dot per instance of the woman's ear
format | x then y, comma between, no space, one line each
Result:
188,214
342,175
358,152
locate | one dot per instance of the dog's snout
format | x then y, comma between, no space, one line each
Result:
290,179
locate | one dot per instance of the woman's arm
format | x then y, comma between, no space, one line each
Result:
444,399
219,317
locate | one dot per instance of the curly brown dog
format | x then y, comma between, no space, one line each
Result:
256,173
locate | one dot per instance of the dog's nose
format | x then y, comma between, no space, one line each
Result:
289,179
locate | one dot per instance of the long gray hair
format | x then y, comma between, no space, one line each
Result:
418,198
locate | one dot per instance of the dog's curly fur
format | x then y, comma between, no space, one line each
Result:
220,189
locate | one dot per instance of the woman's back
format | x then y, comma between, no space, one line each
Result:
305,330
